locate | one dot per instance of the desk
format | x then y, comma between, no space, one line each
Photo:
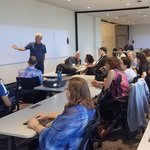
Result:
80,68
145,141
94,91
12,125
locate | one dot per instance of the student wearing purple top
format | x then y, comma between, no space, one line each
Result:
37,49
116,87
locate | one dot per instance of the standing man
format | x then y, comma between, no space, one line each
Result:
129,46
37,49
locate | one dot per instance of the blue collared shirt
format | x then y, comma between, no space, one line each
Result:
66,130
37,50
30,72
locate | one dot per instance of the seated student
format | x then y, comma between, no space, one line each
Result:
134,63
116,87
147,53
103,58
67,129
73,60
120,53
5,102
143,64
114,52
31,71
125,64
89,65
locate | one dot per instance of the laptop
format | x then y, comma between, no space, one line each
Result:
54,83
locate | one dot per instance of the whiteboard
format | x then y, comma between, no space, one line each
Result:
55,41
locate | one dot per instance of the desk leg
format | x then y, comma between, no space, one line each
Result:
11,143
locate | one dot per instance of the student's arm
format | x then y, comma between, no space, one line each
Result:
35,125
6,101
18,48
4,95
106,83
109,79
43,116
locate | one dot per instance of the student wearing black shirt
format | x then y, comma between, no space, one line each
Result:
103,58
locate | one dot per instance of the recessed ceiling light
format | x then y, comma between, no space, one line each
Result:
88,7
128,4
116,17
144,15
68,0
107,14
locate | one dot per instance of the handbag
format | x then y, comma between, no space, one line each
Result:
101,74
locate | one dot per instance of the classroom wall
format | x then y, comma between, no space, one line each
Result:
31,13
89,35
141,35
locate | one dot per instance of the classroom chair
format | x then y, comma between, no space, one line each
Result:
25,90
88,140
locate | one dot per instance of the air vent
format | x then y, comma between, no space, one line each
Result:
123,16
138,1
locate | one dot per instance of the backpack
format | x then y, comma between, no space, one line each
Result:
65,69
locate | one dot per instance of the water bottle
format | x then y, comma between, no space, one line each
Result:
59,76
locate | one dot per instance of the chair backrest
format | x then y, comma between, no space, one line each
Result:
86,143
28,83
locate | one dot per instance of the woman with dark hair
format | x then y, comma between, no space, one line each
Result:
116,87
143,64
90,70
125,65
67,129
115,51
89,60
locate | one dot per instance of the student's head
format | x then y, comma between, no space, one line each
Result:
77,54
102,51
125,63
112,63
32,61
114,53
130,55
141,58
89,59
120,50
147,52
129,42
78,93
38,38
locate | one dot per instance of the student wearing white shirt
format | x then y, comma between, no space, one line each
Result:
120,53
125,64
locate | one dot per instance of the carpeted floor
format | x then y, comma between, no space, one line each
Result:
115,141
